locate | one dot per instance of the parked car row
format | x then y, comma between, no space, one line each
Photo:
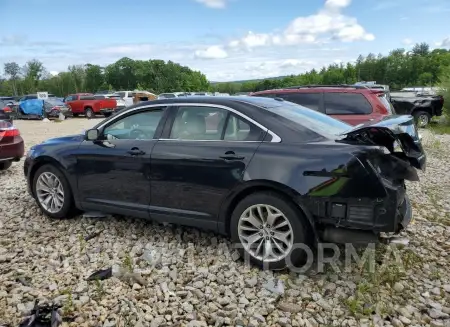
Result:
356,104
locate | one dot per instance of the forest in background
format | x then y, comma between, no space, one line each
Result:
420,66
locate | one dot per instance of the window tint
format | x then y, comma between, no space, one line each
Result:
310,122
240,130
308,100
346,104
70,98
266,95
140,126
121,94
87,97
100,97
199,123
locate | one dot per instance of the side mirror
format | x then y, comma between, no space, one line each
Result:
92,134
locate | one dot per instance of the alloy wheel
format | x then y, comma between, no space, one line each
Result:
50,192
422,120
265,233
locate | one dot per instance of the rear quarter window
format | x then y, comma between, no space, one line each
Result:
346,104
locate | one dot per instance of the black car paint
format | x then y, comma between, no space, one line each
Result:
432,104
189,183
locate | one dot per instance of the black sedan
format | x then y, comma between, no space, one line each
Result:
267,172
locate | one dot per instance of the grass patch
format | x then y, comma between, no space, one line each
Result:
441,128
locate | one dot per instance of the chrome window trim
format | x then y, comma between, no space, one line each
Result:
275,137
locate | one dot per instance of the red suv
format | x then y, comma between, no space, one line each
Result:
349,103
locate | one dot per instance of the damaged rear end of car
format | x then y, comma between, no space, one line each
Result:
366,200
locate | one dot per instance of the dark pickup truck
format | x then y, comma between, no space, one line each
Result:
421,106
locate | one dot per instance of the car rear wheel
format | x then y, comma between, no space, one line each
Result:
89,113
269,230
422,118
5,165
53,193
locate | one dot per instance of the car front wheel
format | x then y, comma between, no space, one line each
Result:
422,118
53,193
5,165
269,230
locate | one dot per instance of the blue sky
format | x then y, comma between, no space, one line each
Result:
225,39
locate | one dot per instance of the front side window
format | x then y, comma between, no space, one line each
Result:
138,126
199,123
121,94
346,104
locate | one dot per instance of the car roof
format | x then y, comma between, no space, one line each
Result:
214,100
319,88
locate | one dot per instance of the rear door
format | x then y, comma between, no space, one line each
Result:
352,108
202,155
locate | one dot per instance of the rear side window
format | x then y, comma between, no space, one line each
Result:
308,100
87,97
100,97
346,104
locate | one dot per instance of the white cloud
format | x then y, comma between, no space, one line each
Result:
218,4
407,41
327,23
445,43
212,52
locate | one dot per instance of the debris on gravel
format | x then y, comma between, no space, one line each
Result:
176,276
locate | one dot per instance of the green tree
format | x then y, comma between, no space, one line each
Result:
12,69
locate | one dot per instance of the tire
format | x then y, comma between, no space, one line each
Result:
5,165
67,209
422,118
107,114
297,228
75,115
89,113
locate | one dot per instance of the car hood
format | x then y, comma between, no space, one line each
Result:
65,139
397,133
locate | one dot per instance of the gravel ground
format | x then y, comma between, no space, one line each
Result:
185,277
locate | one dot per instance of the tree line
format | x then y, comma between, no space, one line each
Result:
420,66
156,76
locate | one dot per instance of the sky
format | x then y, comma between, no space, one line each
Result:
226,40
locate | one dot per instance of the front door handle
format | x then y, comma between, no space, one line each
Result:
136,152
230,155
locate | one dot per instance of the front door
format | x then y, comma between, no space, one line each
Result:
199,159
113,173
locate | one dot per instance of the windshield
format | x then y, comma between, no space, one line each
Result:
313,120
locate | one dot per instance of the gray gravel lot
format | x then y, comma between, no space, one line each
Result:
187,277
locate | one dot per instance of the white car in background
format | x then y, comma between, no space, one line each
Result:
128,96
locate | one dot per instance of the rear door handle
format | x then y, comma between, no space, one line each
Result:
230,155
136,152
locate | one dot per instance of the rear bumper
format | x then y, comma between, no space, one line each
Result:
12,151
